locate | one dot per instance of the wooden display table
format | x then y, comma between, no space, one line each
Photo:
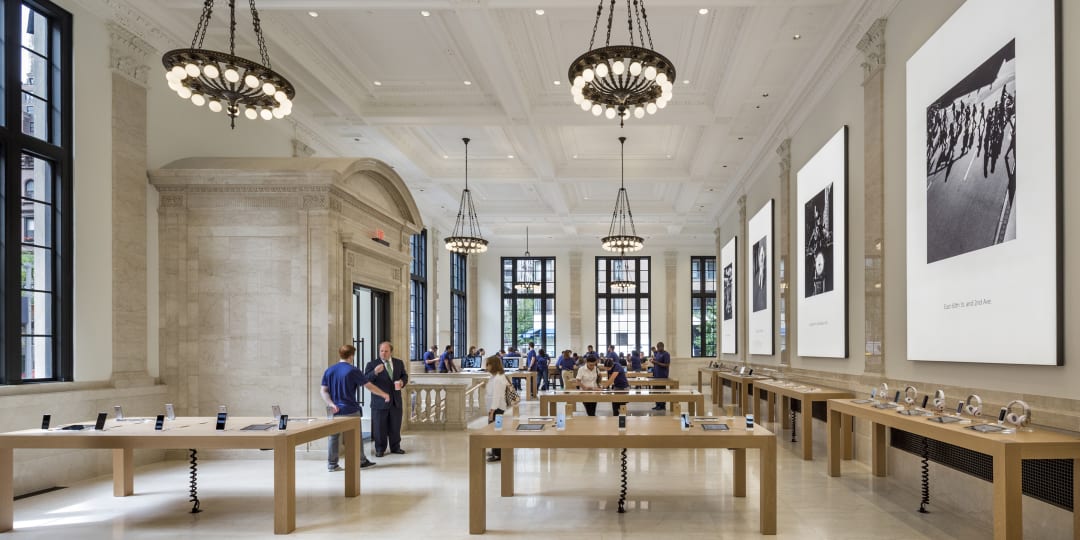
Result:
807,394
529,378
124,437
712,378
695,400
602,432
1008,452
647,382
741,385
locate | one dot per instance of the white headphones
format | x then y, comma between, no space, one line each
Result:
976,409
883,393
1021,420
939,399
910,393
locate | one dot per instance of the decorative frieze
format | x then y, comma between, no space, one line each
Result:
128,54
872,45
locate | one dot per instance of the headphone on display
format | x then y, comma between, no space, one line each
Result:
910,393
1021,420
939,399
883,393
976,409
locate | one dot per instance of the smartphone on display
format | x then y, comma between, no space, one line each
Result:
276,411
960,408
170,413
685,419
1001,414
498,422
896,398
222,409
221,421
100,424
45,419
749,421
622,421
283,421
159,423
925,399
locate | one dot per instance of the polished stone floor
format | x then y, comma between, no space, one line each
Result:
680,494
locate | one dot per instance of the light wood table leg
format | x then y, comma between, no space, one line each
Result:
285,485
1008,509
849,439
834,441
878,434
738,486
770,399
123,464
767,487
699,381
807,429
477,489
717,386
507,472
7,489
739,396
353,441
1076,497
757,410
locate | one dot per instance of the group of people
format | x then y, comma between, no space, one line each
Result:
963,126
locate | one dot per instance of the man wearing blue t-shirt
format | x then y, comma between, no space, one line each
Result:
612,355
338,390
446,360
661,364
635,360
430,359
617,381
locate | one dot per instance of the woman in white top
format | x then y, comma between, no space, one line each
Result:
496,395
588,379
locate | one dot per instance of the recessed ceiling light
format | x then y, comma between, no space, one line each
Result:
669,156
468,83
539,12
725,166
425,13
313,13
797,37
686,81
764,94
574,156
710,189
556,83
509,156
377,83
740,138
444,156
703,11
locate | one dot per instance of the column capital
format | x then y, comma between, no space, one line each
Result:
784,153
872,45
128,54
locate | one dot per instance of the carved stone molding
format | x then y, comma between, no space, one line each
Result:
299,149
316,202
172,200
128,54
784,152
872,45
742,209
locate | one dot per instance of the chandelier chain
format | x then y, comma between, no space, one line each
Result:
204,21
645,17
232,27
259,35
596,23
610,18
637,13
630,24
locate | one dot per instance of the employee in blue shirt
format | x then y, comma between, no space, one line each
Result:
430,359
635,360
612,355
542,362
446,360
566,367
661,364
617,381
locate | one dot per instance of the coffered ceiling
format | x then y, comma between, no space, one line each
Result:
378,78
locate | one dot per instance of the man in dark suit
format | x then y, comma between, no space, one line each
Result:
390,375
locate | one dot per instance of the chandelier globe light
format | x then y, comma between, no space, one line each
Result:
225,82
466,238
527,280
622,235
622,80
621,275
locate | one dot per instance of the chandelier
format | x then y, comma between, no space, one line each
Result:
621,275
224,81
466,237
622,236
527,280
622,80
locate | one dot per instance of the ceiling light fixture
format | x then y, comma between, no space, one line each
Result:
377,83
425,13
703,11
466,237
527,279
622,80
621,275
622,235
468,83
556,83
313,13
224,81
797,37
539,12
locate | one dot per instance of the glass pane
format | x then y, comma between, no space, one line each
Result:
35,31
695,274
37,223
36,313
35,117
37,358
35,75
710,274
36,178
36,269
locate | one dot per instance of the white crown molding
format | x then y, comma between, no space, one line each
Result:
128,54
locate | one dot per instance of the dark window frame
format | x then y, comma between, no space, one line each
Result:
418,325
699,291
511,294
604,293
459,303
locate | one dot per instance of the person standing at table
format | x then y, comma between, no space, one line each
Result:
338,391
588,377
430,358
635,360
661,365
612,355
446,360
590,352
512,360
542,362
390,375
566,368
496,396
616,381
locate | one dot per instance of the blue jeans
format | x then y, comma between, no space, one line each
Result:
333,450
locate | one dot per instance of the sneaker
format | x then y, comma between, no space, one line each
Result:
493,459
335,468
367,463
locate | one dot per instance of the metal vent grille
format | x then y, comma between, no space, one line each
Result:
1048,480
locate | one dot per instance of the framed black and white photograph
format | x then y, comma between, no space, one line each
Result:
984,186
728,322
760,286
822,265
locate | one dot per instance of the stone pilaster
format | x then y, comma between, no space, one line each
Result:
472,329
783,244
872,45
719,245
128,60
576,338
672,345
742,263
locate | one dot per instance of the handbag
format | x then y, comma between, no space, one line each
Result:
511,395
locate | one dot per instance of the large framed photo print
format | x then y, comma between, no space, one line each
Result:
984,187
759,286
729,342
822,240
